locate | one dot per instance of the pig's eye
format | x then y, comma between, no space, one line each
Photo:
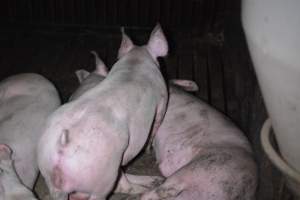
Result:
65,138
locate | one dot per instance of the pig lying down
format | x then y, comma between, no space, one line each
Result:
86,141
202,154
26,100
11,187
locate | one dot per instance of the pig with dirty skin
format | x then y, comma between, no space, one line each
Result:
26,101
87,140
200,151
11,187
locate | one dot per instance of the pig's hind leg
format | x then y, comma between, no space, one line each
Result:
169,190
148,181
135,184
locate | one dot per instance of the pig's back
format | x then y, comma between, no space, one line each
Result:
134,93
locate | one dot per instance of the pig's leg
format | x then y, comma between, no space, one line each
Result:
168,190
148,181
131,184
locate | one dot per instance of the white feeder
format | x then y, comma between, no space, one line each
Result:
272,29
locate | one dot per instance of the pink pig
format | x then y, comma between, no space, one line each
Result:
202,154
88,139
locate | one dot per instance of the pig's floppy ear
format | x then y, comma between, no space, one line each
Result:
81,74
101,68
157,44
187,85
126,44
5,152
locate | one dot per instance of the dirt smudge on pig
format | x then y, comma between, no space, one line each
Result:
6,118
212,160
134,61
166,193
237,193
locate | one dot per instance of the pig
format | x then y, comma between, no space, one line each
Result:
11,187
89,80
26,101
200,151
87,140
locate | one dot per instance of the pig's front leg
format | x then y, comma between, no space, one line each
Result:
134,184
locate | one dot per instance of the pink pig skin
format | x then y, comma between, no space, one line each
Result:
86,141
11,187
202,153
26,101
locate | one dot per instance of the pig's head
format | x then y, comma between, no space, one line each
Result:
101,69
89,80
157,45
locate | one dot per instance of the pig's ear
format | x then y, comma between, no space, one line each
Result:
5,152
157,44
126,44
81,74
187,85
101,68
